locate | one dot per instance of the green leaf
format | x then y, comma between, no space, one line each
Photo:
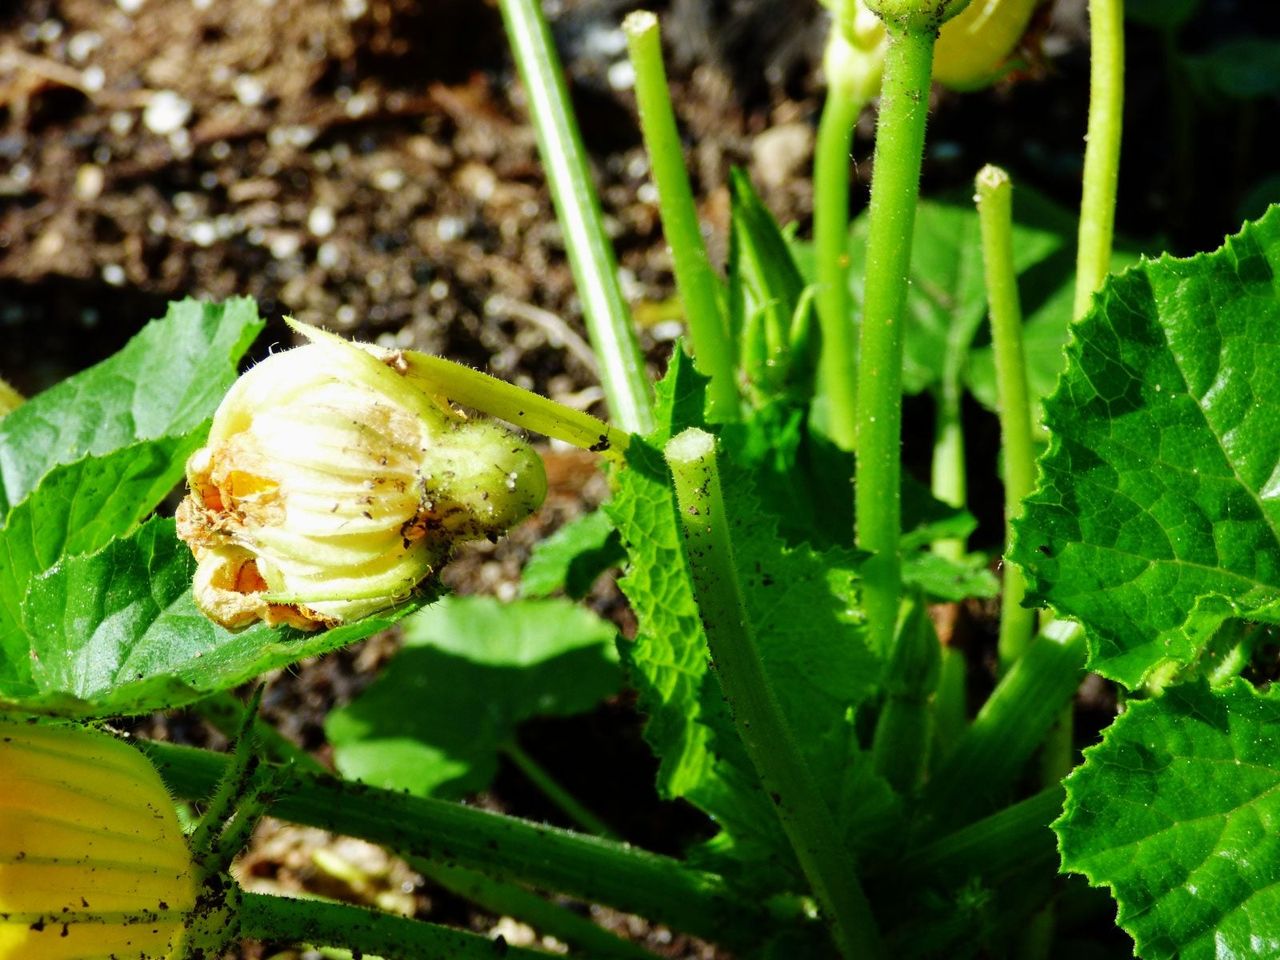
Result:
473,669
765,291
73,473
804,606
944,579
165,383
117,632
79,508
947,299
1176,812
572,558
1158,510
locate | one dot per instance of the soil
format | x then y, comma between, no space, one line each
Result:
367,165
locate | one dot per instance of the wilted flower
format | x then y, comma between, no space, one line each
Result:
93,863
334,482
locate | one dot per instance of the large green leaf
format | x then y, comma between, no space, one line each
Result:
118,632
473,669
1177,811
804,607
165,383
87,460
1158,511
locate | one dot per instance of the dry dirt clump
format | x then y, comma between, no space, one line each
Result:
362,164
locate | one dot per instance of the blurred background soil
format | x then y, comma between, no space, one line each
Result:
367,165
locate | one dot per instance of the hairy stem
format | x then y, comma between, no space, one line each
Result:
838,373
761,724
995,217
264,917
1102,152
595,270
895,189
589,868
695,280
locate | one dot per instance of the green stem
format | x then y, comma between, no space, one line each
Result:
995,217
1010,726
950,705
589,868
226,714
1102,153
695,280
900,746
838,373
1005,841
291,920
509,900
895,188
556,793
622,371
804,814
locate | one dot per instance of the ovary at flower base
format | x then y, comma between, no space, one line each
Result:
334,482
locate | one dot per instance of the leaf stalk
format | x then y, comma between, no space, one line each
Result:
759,719
1102,150
595,271
696,282
895,189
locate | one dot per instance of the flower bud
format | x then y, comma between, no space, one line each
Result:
334,482
974,47
93,863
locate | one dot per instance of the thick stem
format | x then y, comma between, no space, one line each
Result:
592,869
1017,623
322,922
622,371
900,746
757,715
1010,726
995,217
838,373
1102,152
556,793
950,705
895,188
994,845
695,280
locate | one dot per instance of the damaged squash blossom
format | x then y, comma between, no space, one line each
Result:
334,482
93,863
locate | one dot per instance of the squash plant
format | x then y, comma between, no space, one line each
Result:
779,563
